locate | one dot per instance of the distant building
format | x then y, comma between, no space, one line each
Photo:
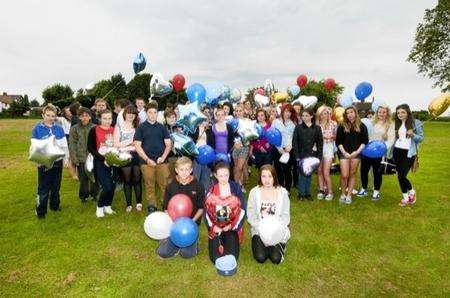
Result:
7,99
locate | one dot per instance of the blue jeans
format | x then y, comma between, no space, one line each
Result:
107,180
203,174
167,249
304,185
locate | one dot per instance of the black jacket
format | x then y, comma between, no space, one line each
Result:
304,140
92,145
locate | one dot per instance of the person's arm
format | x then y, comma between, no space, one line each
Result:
73,141
285,215
141,153
162,158
390,137
295,143
340,142
418,134
92,145
364,135
167,196
319,142
116,136
200,197
252,214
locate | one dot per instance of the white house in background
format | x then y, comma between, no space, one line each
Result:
6,100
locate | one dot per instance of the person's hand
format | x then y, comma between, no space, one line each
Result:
281,151
160,160
354,154
347,155
288,148
217,230
226,228
150,162
263,150
238,145
410,133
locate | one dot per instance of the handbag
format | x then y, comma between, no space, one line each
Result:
387,166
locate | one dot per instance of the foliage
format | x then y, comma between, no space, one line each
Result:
139,86
19,107
56,92
34,103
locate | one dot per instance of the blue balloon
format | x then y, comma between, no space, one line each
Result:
212,102
375,149
213,91
190,117
363,90
206,155
196,93
369,125
260,130
223,157
234,123
139,63
273,136
294,90
226,93
346,101
184,232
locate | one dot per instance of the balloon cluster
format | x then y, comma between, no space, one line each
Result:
176,224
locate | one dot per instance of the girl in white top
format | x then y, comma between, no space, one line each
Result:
286,172
267,199
123,139
383,130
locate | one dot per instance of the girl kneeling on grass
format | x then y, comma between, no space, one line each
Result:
408,135
49,180
224,214
99,136
266,199
351,137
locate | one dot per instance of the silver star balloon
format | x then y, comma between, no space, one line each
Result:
235,95
247,131
159,87
45,152
184,144
269,88
190,117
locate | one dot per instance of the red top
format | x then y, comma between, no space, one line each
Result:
102,134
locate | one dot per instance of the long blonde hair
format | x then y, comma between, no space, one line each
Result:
388,122
320,110
348,126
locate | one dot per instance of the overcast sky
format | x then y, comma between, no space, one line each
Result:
240,43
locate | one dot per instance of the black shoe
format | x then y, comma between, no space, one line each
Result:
309,197
300,198
151,209
57,209
39,216
83,200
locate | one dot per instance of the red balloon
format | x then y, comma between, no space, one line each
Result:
180,205
329,84
178,82
302,80
260,91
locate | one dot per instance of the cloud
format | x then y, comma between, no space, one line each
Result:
240,43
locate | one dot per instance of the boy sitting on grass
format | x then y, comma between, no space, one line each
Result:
184,183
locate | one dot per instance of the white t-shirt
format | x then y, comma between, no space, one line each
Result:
403,142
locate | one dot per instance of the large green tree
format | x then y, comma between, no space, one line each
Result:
56,92
139,86
431,50
19,107
112,89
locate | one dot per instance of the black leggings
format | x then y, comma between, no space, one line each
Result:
286,173
366,164
403,165
230,243
132,179
262,252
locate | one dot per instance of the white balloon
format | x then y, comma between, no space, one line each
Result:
308,101
261,100
157,225
271,230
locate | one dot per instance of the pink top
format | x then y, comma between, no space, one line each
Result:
262,142
329,132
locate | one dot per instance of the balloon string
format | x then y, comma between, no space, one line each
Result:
109,92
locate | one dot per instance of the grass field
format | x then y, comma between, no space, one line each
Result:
364,249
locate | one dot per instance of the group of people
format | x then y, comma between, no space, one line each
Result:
217,189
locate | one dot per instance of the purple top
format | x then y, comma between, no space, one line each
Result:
221,140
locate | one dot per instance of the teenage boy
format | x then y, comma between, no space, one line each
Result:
140,105
184,183
153,144
78,138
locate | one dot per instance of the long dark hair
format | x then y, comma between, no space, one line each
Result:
409,121
131,109
290,108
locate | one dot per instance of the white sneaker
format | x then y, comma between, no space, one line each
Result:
138,207
108,210
329,197
129,208
348,200
320,195
99,213
343,199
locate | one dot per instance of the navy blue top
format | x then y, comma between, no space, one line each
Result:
152,137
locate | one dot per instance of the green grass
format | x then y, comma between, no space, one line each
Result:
365,249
